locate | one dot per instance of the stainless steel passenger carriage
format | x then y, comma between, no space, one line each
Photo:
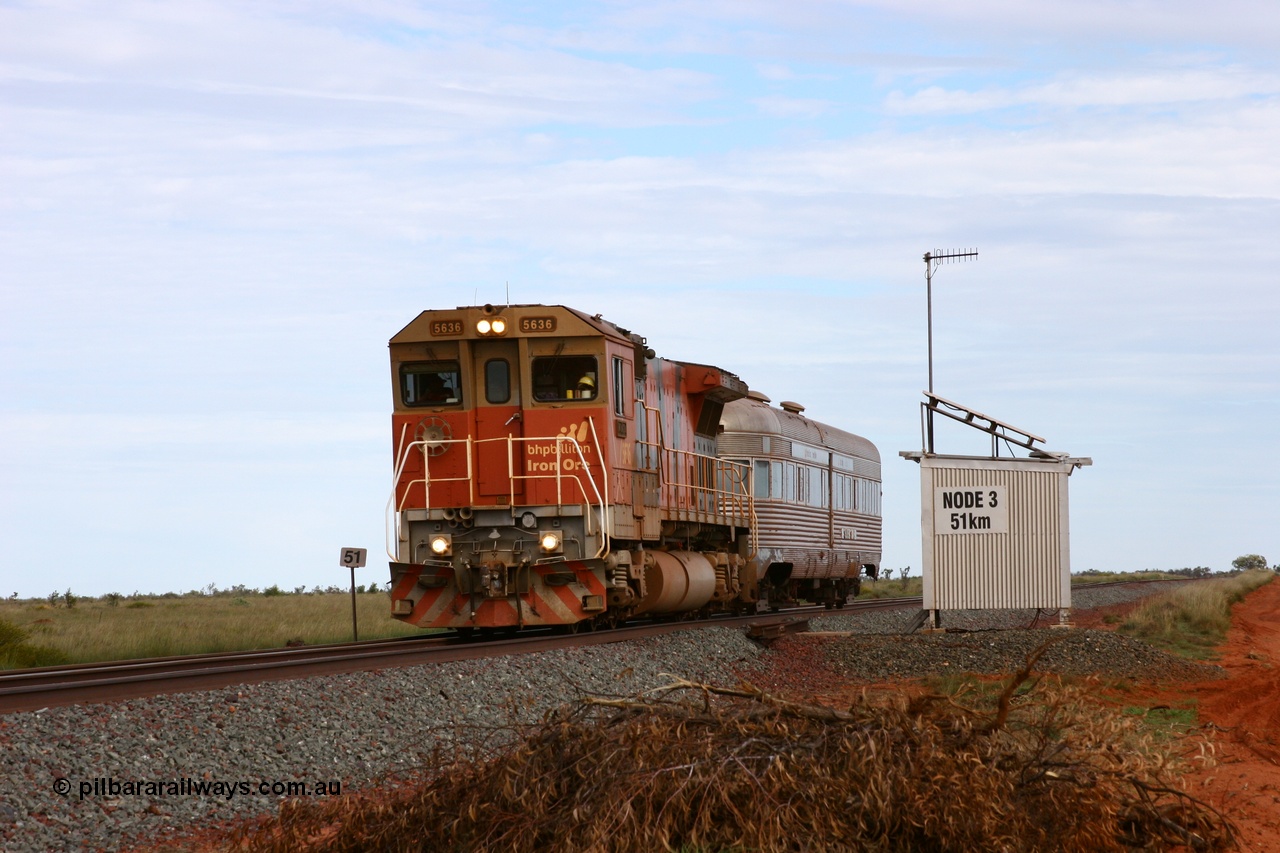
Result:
816,493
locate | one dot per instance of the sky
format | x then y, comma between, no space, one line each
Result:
213,216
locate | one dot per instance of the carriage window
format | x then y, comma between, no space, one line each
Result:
783,481
731,476
844,491
565,377
868,497
431,383
762,478
812,488
497,380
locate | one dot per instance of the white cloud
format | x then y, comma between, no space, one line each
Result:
1120,89
793,108
775,73
231,58
265,432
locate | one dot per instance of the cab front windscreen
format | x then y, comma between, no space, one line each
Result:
431,383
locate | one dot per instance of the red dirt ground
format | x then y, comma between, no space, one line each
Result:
1244,708
1243,713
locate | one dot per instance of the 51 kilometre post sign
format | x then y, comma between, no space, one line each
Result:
969,509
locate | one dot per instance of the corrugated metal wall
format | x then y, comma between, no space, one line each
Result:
1027,567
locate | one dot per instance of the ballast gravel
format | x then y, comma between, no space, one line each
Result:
116,775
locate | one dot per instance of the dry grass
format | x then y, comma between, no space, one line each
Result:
95,630
901,587
701,768
896,588
1192,619
1084,578
18,652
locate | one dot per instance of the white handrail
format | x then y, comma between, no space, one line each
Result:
716,463
392,521
606,532
724,501
560,476
403,459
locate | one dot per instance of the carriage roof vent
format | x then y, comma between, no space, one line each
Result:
758,395
793,408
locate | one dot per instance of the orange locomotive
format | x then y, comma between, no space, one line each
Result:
550,470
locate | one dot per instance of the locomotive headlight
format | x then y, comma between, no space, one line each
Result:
550,541
442,545
499,326
483,327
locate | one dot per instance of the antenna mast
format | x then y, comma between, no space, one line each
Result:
930,260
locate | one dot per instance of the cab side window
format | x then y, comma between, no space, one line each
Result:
565,377
619,387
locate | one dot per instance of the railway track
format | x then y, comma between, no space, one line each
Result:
32,689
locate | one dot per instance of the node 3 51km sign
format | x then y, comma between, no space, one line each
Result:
970,509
